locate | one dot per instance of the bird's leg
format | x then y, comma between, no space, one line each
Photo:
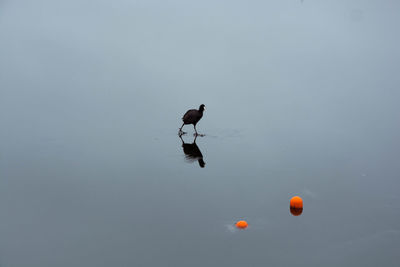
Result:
195,129
180,130
197,134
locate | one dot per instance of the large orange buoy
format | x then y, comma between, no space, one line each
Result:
296,206
242,224
296,202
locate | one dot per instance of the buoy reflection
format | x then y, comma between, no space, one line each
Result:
296,211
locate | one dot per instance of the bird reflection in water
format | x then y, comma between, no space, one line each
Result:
192,152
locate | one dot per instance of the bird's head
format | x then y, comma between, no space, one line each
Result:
202,107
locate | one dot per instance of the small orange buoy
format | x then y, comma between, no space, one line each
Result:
242,224
296,202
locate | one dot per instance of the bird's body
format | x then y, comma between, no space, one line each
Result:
192,116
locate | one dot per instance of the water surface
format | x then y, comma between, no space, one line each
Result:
301,99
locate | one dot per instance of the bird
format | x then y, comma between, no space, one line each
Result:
192,152
192,116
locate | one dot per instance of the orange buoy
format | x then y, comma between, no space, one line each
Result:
296,202
296,206
242,224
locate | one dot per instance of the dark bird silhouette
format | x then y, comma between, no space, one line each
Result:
192,116
192,152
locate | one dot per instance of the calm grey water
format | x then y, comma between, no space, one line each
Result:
301,99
